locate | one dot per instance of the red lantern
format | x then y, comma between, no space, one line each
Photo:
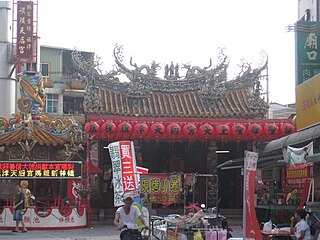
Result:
157,130
92,128
287,128
271,129
173,131
254,130
190,131
206,131
124,130
238,130
108,130
223,130
140,130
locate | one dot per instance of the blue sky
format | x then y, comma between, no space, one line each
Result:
179,31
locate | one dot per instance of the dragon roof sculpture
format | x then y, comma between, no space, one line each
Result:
209,86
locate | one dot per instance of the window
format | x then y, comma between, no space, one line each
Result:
28,67
52,103
44,69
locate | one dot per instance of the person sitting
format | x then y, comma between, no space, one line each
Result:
126,219
301,230
292,197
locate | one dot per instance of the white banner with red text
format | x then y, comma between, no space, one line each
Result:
125,178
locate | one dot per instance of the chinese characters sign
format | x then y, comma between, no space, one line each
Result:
308,55
298,174
161,188
25,30
124,169
40,170
250,223
308,102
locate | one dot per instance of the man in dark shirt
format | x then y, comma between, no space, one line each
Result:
18,206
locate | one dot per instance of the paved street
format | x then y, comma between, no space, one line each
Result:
100,230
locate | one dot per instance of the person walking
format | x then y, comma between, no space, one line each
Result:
126,219
18,206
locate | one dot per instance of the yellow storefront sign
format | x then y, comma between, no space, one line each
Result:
308,102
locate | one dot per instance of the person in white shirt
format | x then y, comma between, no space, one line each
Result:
301,230
126,219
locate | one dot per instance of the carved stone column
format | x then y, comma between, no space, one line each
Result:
213,188
137,149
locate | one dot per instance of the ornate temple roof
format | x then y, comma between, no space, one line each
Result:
179,105
30,124
22,128
197,92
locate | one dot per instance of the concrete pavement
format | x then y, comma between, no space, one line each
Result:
98,231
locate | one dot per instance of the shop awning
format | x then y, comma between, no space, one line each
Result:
304,135
314,158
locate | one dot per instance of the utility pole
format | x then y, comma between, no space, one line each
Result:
7,73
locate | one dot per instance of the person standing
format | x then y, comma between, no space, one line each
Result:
292,197
18,206
301,230
126,219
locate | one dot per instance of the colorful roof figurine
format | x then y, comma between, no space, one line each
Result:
31,125
184,92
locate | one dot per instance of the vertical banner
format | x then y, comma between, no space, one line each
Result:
124,169
25,30
250,221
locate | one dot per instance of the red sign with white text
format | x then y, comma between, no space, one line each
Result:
251,225
128,166
25,30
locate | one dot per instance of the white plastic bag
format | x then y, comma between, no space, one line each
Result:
267,226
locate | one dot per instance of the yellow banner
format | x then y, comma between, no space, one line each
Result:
308,102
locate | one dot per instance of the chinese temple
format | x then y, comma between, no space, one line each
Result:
45,154
181,121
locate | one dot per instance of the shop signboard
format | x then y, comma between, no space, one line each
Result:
24,30
125,177
308,103
307,52
40,170
161,188
250,222
298,174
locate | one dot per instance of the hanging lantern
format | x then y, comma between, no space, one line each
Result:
254,130
287,128
206,131
271,130
108,130
140,130
124,130
190,131
173,131
157,130
92,128
223,130
238,130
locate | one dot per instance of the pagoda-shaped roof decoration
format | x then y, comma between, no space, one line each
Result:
199,92
31,124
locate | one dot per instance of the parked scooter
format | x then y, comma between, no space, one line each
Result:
215,219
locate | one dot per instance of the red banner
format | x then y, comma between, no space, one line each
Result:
25,30
161,188
250,222
298,174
